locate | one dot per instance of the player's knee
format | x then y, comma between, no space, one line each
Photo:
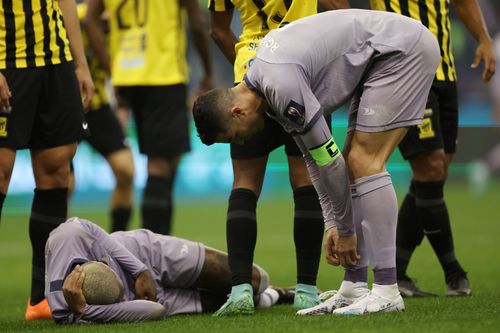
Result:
124,175
299,175
361,164
431,167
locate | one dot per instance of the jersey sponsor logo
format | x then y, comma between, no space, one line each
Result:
270,43
295,113
368,112
184,250
3,127
425,129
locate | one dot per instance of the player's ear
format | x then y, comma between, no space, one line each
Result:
236,111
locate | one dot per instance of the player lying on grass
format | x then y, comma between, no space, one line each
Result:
310,67
160,275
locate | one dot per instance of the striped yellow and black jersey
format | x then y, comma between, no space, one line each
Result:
147,42
99,75
32,34
434,14
257,18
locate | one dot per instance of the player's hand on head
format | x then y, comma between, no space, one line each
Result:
485,53
86,85
345,250
145,287
5,94
72,290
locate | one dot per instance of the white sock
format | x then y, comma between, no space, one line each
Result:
350,289
268,298
387,291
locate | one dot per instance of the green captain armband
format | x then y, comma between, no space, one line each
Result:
325,153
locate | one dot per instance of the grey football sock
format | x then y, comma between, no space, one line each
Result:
378,203
360,272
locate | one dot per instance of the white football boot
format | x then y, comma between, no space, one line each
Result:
380,299
347,294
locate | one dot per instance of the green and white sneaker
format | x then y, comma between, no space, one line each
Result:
240,305
306,296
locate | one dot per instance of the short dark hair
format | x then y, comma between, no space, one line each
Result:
208,114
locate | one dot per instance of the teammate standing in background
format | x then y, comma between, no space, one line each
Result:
430,147
147,46
44,79
249,160
108,138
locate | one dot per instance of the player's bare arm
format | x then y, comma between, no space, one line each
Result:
197,27
221,33
334,4
470,14
145,287
72,291
92,26
5,94
72,25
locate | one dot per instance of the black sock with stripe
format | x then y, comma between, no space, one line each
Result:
49,209
307,233
120,218
409,232
432,211
157,205
241,233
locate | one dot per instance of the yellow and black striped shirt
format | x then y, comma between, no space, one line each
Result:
258,17
434,14
32,34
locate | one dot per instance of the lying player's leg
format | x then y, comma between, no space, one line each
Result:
214,283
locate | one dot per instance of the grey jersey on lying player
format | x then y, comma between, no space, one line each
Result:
316,64
128,254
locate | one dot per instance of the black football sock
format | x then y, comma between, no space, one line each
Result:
49,209
409,232
307,233
120,217
157,205
432,211
2,199
241,233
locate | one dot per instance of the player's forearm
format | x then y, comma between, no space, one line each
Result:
334,4
72,26
222,35
332,185
470,14
123,312
200,40
92,26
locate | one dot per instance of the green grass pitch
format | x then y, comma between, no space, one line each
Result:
476,225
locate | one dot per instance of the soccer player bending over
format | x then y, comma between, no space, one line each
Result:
385,63
150,276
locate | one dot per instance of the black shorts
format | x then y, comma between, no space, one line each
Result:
439,129
161,118
263,143
47,108
106,133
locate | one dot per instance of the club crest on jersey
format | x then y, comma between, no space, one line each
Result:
295,113
3,127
